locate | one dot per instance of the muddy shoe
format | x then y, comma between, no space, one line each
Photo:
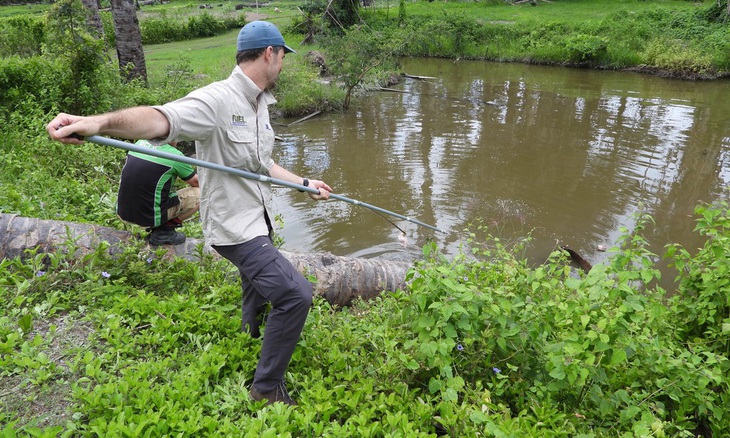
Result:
278,394
166,236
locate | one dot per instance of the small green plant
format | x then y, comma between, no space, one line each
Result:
586,48
204,25
703,306
361,56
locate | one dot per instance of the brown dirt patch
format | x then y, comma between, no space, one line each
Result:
253,16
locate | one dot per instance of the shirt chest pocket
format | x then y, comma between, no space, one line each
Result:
240,149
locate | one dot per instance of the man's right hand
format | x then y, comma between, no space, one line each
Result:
68,128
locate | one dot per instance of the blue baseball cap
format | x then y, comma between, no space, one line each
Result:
260,34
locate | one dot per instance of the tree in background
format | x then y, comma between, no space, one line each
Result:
361,56
93,20
80,58
129,40
328,17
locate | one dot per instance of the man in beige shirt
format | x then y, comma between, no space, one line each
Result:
229,120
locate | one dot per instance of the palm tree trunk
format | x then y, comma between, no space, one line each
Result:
129,40
93,20
340,280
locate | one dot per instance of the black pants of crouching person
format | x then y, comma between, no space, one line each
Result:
267,276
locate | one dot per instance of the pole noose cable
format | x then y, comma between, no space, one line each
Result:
245,174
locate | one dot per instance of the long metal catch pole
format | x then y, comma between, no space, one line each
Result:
242,173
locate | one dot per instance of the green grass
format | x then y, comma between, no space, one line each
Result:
213,58
575,11
15,10
210,59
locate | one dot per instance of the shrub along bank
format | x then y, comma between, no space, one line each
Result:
677,39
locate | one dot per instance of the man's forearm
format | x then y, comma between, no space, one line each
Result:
279,172
141,122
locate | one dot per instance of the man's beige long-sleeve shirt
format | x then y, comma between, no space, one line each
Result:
229,121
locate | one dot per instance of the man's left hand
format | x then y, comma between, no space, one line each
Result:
324,190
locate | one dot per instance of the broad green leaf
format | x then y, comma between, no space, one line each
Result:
618,356
629,413
558,374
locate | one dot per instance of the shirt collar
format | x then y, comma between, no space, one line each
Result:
250,90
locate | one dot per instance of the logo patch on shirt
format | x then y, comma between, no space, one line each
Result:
238,120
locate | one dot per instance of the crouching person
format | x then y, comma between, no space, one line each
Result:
146,196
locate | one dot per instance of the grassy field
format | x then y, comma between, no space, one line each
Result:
15,10
208,58
212,57
557,10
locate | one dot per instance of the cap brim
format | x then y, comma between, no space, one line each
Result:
288,49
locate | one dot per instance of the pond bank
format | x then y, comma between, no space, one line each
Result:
666,39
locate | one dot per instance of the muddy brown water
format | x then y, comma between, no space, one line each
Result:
566,156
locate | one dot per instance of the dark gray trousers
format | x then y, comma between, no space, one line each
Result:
267,276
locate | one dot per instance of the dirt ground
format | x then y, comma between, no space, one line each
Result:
48,403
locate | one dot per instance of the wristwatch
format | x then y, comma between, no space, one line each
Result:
305,183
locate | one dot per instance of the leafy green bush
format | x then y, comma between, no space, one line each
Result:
166,29
20,79
499,335
204,25
586,48
22,36
703,304
162,30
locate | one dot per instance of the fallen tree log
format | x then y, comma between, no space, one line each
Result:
340,280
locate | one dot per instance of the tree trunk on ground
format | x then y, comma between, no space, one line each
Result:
340,280
93,20
129,40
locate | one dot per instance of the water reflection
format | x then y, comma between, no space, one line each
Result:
566,156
